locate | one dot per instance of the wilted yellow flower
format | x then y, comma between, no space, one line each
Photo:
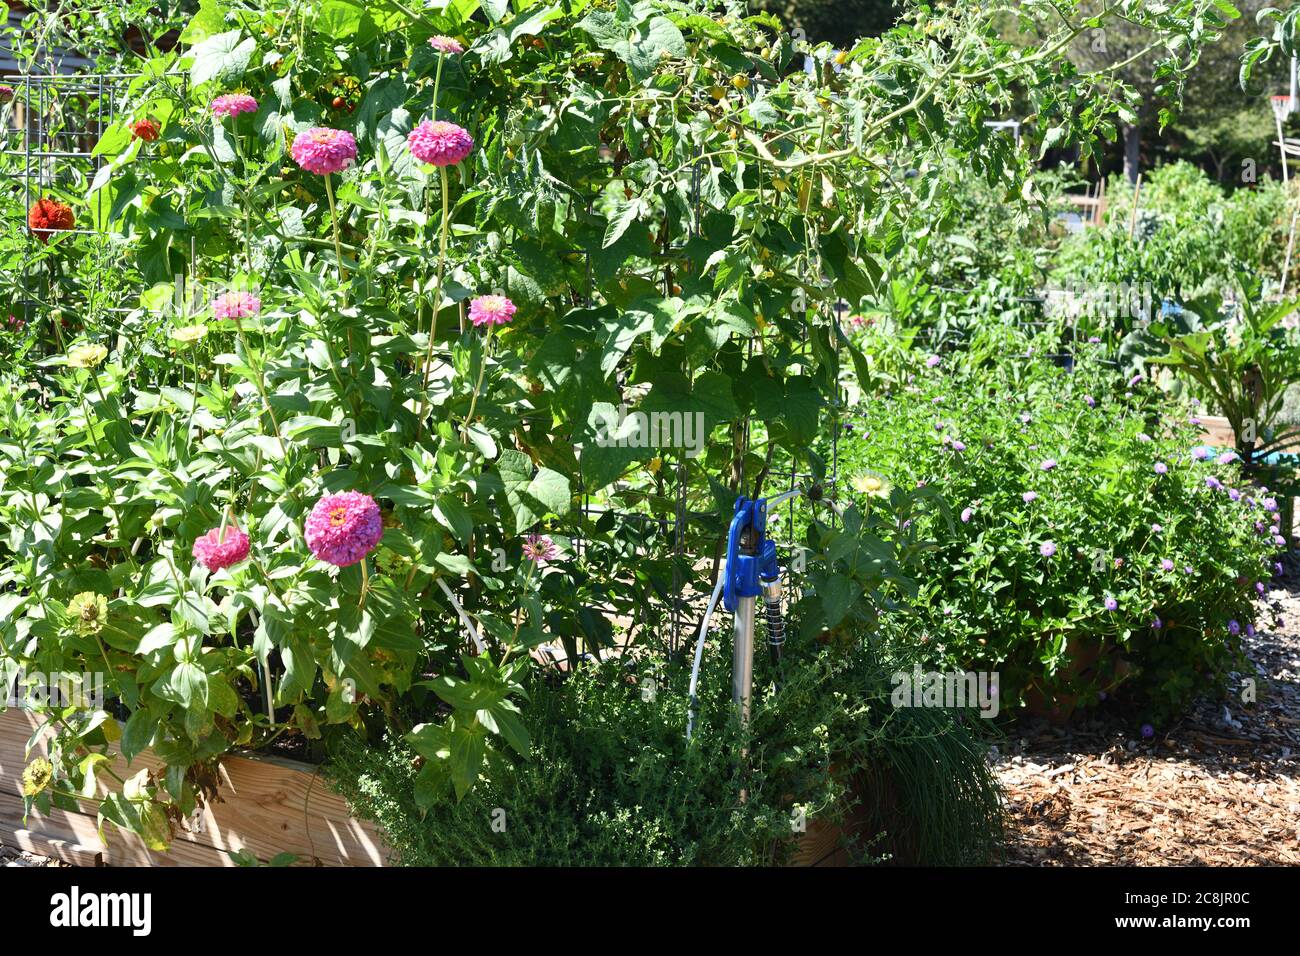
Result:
391,563
88,612
86,356
874,485
189,334
37,775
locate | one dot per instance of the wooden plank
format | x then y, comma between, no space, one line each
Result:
52,847
265,805
121,849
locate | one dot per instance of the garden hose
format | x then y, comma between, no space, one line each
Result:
473,633
699,656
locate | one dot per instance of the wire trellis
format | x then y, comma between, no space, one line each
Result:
60,120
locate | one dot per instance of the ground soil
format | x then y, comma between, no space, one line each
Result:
1220,787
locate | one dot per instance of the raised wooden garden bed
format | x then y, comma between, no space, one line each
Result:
267,806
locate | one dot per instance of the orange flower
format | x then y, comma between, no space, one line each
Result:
48,215
146,130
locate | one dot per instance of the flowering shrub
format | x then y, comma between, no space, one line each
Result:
1093,546
440,249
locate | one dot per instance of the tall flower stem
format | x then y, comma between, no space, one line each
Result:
437,299
244,202
519,617
478,385
338,250
334,223
261,387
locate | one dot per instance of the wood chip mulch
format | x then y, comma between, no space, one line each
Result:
1219,788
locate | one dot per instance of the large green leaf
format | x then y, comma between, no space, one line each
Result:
223,58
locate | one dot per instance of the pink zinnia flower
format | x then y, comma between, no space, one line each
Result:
236,305
232,104
439,143
445,44
540,548
342,529
323,151
491,310
220,549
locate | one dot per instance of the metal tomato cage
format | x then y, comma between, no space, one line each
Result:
680,534
53,123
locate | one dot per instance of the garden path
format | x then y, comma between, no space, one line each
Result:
1220,787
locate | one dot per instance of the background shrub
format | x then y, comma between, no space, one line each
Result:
990,598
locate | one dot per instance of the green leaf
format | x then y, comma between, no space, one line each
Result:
626,212
531,497
338,19
210,20
222,58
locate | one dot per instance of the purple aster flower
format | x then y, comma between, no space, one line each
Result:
1166,565
1156,623
1029,496
1135,379
1214,484
933,361
1279,541
1157,528
1143,436
1201,453
1089,401
1234,628
1047,464
1234,494
1148,731
1111,604
1026,418
958,446
966,515
1228,457
1260,589
1047,549
1160,468
1250,630
1093,340
1270,504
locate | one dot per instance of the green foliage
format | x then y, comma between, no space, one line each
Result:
1189,238
1020,587
670,202
612,780
1242,363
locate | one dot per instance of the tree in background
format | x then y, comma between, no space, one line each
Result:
1218,122
841,22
